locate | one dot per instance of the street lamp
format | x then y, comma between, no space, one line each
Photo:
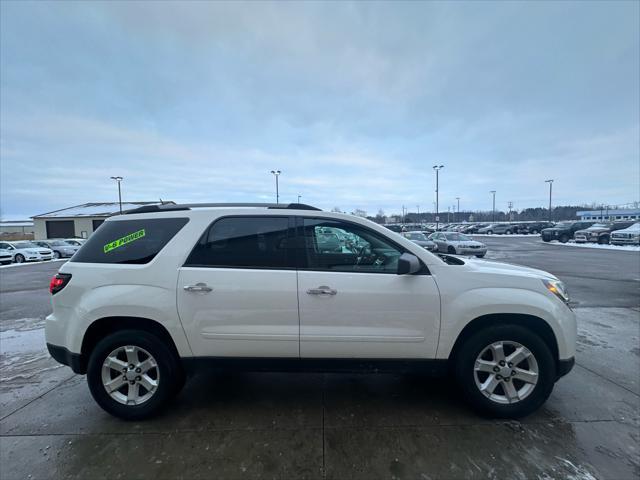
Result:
493,216
437,168
299,197
119,179
458,199
550,182
276,173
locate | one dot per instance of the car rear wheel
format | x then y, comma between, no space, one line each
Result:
534,232
508,232
505,371
56,254
132,374
19,258
480,255
603,240
451,250
489,232
564,238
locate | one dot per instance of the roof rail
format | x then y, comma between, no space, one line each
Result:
189,206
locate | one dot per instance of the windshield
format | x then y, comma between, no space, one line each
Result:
457,237
26,245
564,224
59,243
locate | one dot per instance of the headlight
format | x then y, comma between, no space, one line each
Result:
558,289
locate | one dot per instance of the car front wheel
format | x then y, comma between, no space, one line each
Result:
19,258
505,371
451,250
564,238
132,374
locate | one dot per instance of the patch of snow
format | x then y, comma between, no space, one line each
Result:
628,248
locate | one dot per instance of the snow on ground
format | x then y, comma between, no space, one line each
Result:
11,265
628,248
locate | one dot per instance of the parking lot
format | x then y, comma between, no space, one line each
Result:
335,426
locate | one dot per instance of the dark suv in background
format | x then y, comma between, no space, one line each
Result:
535,228
600,232
564,231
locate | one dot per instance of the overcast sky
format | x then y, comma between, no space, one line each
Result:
354,102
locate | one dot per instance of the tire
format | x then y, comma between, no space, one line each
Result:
56,255
534,232
489,232
533,398
481,255
508,232
451,250
546,239
19,258
564,238
603,240
167,373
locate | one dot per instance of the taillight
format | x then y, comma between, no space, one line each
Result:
58,282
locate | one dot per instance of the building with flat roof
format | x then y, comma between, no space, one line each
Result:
79,221
610,214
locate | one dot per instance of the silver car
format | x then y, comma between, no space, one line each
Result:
421,239
60,248
458,244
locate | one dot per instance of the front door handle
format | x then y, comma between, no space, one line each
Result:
322,290
198,287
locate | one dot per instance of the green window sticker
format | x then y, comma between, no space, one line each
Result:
124,240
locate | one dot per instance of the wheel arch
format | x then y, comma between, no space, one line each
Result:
533,323
102,327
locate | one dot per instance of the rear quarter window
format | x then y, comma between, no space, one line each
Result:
129,241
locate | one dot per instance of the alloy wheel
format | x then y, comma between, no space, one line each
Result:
130,375
506,372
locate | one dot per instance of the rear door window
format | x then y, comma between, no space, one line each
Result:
245,242
129,241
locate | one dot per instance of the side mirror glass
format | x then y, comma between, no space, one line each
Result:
408,264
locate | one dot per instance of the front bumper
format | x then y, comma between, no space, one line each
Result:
625,241
471,251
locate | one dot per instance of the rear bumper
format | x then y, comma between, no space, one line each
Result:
565,366
65,357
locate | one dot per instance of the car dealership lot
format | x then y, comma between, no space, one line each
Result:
330,425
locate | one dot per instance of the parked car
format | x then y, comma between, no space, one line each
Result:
599,232
627,236
60,248
473,228
26,251
564,231
458,244
419,238
488,229
504,228
164,290
76,241
5,256
535,228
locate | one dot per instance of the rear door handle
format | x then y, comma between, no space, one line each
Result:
198,287
322,290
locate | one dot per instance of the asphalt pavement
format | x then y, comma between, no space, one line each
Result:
277,425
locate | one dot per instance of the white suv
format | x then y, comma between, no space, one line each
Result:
165,289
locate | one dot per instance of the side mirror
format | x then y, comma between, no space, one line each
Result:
408,264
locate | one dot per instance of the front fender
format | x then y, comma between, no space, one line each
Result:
461,310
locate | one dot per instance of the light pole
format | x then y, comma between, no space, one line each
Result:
458,199
493,215
550,182
418,207
510,205
299,197
276,173
437,168
119,179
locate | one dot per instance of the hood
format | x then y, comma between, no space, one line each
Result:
593,230
466,242
486,266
